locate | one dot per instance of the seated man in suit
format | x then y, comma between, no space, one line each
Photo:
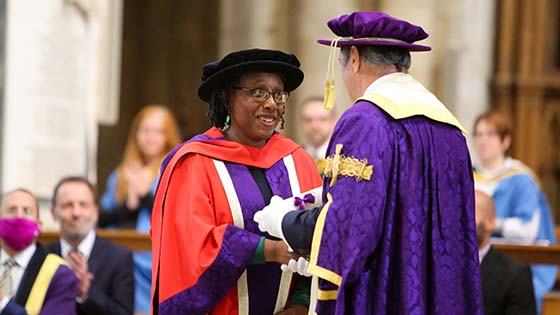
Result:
104,269
507,286
32,281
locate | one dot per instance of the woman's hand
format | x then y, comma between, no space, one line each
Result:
142,181
132,200
139,184
277,251
294,310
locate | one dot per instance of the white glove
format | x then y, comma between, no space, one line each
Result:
270,217
299,266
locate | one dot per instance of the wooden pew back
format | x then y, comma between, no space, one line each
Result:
128,238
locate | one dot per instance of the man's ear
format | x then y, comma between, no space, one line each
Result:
96,213
490,224
53,213
506,142
354,59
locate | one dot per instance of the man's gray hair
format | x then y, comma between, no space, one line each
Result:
380,55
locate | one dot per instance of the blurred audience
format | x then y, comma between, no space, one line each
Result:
317,124
32,281
522,211
129,196
104,269
507,288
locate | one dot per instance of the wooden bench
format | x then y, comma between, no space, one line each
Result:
140,242
534,254
128,238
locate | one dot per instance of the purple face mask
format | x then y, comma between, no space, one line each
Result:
18,233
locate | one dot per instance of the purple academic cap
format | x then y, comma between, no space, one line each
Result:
375,29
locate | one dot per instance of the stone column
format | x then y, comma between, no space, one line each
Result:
468,88
313,17
459,67
423,13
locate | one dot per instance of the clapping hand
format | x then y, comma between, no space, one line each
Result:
139,184
78,263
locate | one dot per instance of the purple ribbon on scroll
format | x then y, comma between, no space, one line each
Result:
300,203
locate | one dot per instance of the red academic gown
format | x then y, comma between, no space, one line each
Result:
198,253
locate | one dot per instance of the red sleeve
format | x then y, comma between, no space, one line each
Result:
192,231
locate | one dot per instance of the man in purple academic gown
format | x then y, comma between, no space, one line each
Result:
396,234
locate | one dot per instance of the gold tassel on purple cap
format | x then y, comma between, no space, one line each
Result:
328,103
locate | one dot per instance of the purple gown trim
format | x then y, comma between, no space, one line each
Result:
238,248
199,137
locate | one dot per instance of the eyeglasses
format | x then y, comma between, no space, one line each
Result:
261,95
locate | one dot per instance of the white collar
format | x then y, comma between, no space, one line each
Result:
318,152
506,165
85,246
22,258
482,252
401,96
373,85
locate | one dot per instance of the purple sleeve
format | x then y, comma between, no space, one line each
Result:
61,294
238,248
354,215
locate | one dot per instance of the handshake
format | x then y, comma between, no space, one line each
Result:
269,220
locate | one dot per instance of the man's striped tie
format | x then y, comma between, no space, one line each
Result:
6,281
